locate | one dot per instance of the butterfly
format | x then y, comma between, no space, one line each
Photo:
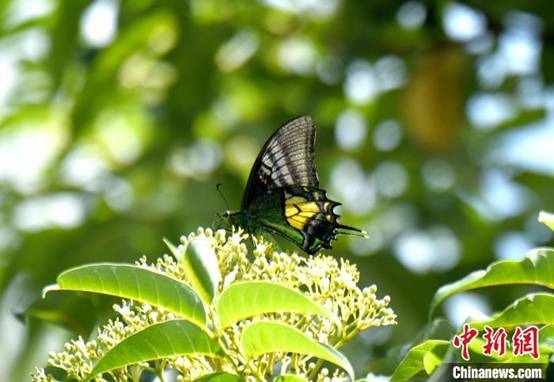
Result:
282,195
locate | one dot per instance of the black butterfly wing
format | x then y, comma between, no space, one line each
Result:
286,159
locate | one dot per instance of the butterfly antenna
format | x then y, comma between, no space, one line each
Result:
218,187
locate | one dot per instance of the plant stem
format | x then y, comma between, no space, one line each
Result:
160,370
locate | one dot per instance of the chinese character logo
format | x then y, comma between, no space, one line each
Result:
463,340
494,341
524,341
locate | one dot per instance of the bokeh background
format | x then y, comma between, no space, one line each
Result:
118,118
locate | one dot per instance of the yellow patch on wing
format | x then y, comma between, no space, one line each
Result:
295,200
291,210
298,222
309,207
299,211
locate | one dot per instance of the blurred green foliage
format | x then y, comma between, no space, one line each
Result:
118,118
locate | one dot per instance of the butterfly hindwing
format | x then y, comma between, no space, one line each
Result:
310,212
304,215
287,159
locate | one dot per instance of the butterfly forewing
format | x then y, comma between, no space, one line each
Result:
287,159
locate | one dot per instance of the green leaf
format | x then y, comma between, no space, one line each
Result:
267,337
536,308
547,218
59,374
166,339
430,362
135,283
290,378
201,266
536,268
219,376
438,329
251,298
546,339
418,359
522,118
173,249
76,312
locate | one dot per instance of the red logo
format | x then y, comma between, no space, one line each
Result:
494,341
463,340
524,341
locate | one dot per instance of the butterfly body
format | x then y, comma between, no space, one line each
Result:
283,196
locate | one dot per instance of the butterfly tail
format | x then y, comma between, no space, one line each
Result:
347,230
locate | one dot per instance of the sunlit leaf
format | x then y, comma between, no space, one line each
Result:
430,362
268,337
166,339
201,267
537,308
173,249
418,359
546,339
251,298
536,268
135,283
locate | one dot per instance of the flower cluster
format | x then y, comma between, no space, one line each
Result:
324,279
